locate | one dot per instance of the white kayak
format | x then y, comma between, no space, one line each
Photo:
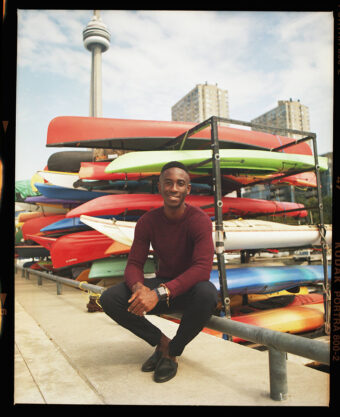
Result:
238,234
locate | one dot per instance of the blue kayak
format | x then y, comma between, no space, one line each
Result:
267,279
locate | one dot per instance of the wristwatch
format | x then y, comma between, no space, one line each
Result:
162,293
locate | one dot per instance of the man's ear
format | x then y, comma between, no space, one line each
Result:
189,188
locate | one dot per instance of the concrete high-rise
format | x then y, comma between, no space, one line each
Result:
288,114
202,102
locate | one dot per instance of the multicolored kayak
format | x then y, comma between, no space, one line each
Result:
239,234
93,132
268,279
304,313
233,161
118,204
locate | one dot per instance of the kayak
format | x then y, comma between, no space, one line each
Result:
233,161
130,134
239,234
118,204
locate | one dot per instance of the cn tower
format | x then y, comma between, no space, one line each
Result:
96,38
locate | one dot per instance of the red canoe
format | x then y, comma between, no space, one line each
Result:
92,132
77,248
119,203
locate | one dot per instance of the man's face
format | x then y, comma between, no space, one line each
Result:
174,186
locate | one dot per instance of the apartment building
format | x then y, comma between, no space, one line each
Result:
202,102
288,114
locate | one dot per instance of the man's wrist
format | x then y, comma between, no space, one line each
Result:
137,286
163,293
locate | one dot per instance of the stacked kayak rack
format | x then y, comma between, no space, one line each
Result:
218,203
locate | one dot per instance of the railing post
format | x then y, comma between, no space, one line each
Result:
278,374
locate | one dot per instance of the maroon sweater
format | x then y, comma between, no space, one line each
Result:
183,247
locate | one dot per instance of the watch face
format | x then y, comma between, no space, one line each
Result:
162,291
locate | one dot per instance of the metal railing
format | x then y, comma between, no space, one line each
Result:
278,343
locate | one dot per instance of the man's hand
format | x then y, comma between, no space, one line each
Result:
142,300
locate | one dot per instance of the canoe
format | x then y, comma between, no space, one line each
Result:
128,134
118,204
232,161
268,279
239,234
78,248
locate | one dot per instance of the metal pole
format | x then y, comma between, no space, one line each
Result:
285,342
278,375
326,286
219,231
67,281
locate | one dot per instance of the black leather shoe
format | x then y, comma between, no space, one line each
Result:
150,364
165,370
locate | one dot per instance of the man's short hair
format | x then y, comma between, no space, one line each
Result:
174,164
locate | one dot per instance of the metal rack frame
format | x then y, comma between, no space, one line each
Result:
212,122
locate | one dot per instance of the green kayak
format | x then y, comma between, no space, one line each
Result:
232,161
114,267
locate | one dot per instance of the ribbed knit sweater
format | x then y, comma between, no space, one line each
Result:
184,248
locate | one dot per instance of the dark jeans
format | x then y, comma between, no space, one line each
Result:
196,305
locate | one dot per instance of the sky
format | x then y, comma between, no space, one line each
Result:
157,57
